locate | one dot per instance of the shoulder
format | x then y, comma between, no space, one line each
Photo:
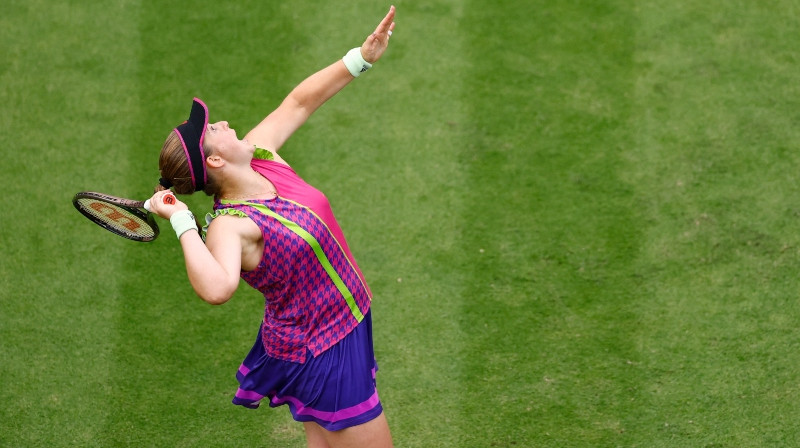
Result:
232,236
229,223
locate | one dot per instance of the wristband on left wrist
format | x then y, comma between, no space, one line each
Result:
355,62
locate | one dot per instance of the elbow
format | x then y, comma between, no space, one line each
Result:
214,299
217,295
212,287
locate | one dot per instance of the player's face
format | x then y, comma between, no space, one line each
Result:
223,140
219,132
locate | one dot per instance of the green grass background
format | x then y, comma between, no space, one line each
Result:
578,218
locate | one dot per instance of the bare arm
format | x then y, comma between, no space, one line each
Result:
315,90
213,267
306,98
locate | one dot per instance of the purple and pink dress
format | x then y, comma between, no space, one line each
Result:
314,349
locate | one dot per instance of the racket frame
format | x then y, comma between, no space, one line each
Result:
135,208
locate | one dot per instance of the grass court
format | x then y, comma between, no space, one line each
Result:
579,219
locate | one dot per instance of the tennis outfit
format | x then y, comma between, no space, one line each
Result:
313,351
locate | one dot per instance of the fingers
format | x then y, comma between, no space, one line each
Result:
163,197
387,24
379,39
376,43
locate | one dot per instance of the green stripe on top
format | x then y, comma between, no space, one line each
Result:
317,248
338,243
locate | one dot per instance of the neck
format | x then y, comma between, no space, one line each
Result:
253,186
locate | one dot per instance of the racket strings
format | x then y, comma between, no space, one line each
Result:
116,218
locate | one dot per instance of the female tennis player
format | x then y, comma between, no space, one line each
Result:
313,351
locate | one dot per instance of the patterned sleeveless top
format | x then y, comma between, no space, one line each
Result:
313,290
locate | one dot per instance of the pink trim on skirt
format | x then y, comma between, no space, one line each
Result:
337,389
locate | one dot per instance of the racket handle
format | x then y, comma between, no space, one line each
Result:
167,199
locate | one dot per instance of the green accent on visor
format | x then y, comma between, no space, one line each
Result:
317,248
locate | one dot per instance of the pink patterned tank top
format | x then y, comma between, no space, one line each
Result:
313,290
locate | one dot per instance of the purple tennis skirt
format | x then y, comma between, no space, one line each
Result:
336,389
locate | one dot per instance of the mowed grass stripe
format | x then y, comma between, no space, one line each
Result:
386,152
552,235
176,356
64,96
716,108
423,275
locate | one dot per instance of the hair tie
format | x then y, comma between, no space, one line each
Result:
165,183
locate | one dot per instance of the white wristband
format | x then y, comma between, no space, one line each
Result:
355,62
183,221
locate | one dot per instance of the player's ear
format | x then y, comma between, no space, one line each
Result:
214,161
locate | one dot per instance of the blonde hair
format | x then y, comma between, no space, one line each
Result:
174,167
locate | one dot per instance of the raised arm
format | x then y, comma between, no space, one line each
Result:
315,90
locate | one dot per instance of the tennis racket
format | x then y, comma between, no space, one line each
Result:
124,217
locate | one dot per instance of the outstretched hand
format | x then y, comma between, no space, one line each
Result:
376,43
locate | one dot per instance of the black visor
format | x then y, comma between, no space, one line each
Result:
191,133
